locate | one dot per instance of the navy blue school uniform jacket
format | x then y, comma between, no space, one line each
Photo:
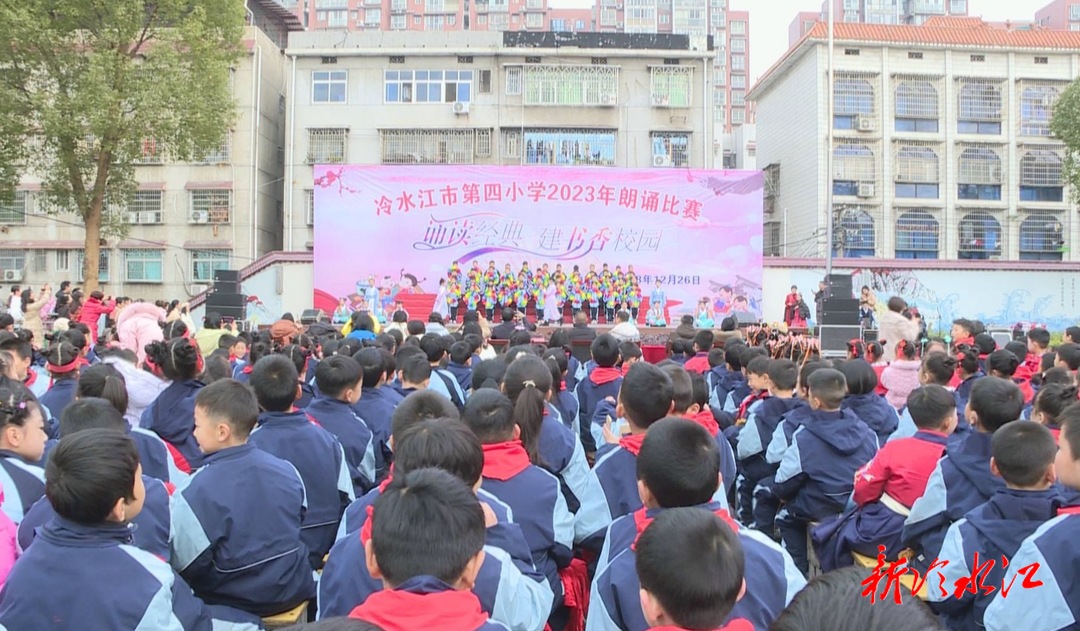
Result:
151,529
1055,603
23,484
600,384
340,419
738,392
562,454
236,532
537,505
762,418
376,407
567,405
509,587
90,577
307,395
772,579
172,417
960,482
963,392
425,602
715,376
875,411
59,396
154,456
320,460
994,531
785,429
463,375
817,473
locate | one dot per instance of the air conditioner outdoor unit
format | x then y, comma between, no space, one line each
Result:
12,275
200,216
198,289
607,99
461,107
866,189
864,123
661,160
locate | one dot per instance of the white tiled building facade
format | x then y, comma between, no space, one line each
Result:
942,144
477,98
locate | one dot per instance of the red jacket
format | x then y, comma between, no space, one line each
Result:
901,469
91,312
698,363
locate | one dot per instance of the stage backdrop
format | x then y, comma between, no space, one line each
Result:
699,232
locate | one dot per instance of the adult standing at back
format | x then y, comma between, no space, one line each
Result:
895,326
97,305
138,325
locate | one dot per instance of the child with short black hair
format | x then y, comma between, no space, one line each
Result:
251,558
1023,455
629,354
83,557
741,391
703,345
427,540
377,403
690,566
414,373
678,469
717,368
962,479
288,434
460,364
604,381
340,380
1068,357
871,408
690,400
441,380
816,475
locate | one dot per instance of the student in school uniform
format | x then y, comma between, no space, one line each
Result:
299,357
508,586
690,398
1023,455
19,344
968,373
888,485
604,381
703,344
339,380
717,368
678,469
152,526
816,475
22,445
937,369
756,370
83,557
563,398
442,381
460,365
1038,343
63,362
962,479
258,350
532,493
290,435
376,404
1052,400
730,377
742,394
1048,558
172,415
872,409
428,565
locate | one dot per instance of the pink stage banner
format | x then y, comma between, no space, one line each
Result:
698,232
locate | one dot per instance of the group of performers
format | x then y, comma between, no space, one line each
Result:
552,291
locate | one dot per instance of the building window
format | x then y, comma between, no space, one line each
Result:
327,145
373,17
434,22
513,80
205,262
853,97
916,107
143,266
738,116
427,146
720,98
672,86
980,108
854,170
428,86
309,207
738,27
1036,109
1041,176
103,266
334,19
511,144
854,234
217,155
15,211
63,260
144,207
670,149
980,174
1041,238
329,86
738,62
916,172
570,147
397,23
979,236
571,85
534,20
211,205
738,45
958,7
1074,11
738,98
916,235
150,153
12,260
738,81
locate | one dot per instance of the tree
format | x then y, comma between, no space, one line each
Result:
1065,125
88,88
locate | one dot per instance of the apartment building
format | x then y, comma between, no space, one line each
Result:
941,143
875,12
186,219
1059,15
491,98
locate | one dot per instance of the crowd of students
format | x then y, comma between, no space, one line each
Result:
424,480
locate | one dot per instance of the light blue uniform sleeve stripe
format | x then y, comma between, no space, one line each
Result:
1042,608
189,540
592,515
597,432
792,576
521,603
598,619
777,446
344,480
562,520
730,406
933,500
905,427
159,614
367,465
749,435
491,499
791,464
952,550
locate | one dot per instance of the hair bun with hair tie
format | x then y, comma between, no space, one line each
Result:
529,383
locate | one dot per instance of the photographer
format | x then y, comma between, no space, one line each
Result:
898,323
512,320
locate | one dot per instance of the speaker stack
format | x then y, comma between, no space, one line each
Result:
225,297
839,316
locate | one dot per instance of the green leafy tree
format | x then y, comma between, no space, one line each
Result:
88,88
1066,127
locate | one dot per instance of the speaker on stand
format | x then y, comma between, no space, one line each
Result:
225,298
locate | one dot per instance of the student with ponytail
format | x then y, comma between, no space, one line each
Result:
172,415
63,361
968,372
1050,403
901,377
22,445
300,357
1003,364
938,369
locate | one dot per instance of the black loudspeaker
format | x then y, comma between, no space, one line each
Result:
839,286
833,338
226,276
216,300
870,335
225,288
311,316
841,304
234,313
844,318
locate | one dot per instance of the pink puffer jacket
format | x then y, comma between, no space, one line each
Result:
9,549
138,326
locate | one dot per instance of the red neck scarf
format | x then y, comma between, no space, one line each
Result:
503,461
1069,510
247,369
400,610
600,376
632,443
706,419
31,377
642,521
748,401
